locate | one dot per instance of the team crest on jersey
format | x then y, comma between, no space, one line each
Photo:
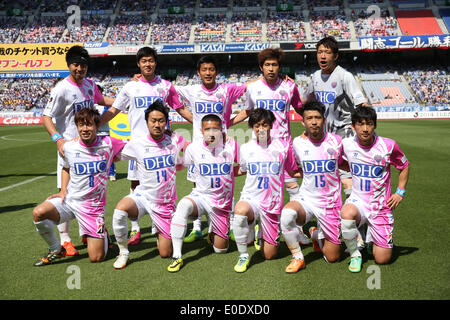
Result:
330,151
275,154
355,154
225,154
378,158
160,90
334,84
219,95
90,92
283,93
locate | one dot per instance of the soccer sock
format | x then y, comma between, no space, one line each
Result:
350,236
197,224
120,227
178,225
291,232
135,225
46,229
241,231
347,192
292,191
315,237
63,229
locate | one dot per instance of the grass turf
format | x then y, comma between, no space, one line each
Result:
419,269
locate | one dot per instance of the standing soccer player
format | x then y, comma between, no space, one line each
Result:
135,97
156,156
272,93
69,96
213,159
338,90
264,160
83,190
208,98
371,201
320,193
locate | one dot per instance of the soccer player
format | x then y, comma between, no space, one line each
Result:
69,96
213,159
156,156
338,90
371,201
83,190
272,93
320,192
209,97
135,97
264,160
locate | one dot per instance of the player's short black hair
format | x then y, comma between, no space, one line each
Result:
157,105
313,105
77,54
146,52
87,115
261,114
212,117
206,59
329,42
364,113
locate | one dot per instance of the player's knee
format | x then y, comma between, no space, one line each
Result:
382,259
331,257
39,214
288,218
96,257
165,253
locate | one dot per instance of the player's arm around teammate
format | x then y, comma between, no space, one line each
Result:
370,157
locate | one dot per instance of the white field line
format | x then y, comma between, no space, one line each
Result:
25,182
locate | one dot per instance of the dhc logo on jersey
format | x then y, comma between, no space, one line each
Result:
255,168
271,104
145,102
91,167
159,162
366,170
326,96
209,107
319,166
77,106
214,169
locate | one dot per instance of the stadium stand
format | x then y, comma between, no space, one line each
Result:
417,22
386,25
285,26
10,28
211,27
329,23
92,29
44,29
246,27
129,29
171,29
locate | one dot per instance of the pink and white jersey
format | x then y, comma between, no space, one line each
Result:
265,166
320,160
89,167
370,168
66,99
156,162
136,96
214,171
277,98
217,101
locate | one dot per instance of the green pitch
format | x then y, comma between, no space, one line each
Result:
420,268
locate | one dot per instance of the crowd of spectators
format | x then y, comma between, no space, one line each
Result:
285,26
246,27
213,3
211,28
136,5
10,28
92,29
365,25
171,29
247,3
314,4
332,23
129,29
431,85
274,3
176,3
44,30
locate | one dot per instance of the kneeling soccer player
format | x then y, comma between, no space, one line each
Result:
86,162
213,159
320,155
371,202
156,156
264,160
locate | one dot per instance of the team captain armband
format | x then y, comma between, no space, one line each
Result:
56,136
400,192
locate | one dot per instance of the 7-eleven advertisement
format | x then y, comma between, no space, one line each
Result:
39,60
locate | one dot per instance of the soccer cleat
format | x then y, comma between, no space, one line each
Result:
135,238
121,261
355,264
295,266
304,240
193,236
256,242
50,257
70,249
242,264
176,265
315,243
